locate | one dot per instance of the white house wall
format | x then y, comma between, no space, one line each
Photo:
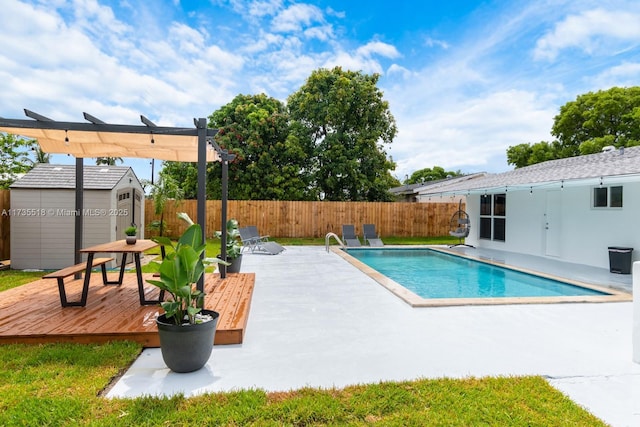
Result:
585,232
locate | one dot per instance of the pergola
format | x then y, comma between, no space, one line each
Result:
96,138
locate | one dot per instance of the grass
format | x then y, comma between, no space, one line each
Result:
14,278
59,384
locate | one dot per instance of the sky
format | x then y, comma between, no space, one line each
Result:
464,79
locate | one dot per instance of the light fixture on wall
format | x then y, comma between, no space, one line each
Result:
66,138
562,185
531,190
600,182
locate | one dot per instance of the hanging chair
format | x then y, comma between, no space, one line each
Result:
460,225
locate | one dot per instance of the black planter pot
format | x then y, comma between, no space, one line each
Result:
186,348
235,265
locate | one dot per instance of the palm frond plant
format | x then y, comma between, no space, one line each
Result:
185,323
180,270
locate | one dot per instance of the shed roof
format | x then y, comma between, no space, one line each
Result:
45,175
611,166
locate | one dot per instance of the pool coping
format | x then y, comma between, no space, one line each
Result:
414,300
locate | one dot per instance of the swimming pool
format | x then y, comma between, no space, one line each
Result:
424,276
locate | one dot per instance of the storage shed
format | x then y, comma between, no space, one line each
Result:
43,212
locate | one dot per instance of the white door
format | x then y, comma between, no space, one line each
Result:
552,226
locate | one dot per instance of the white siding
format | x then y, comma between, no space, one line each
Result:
585,232
46,241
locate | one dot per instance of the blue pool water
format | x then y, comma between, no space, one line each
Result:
432,274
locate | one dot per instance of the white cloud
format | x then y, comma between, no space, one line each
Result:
439,43
470,133
624,75
264,8
295,17
592,31
378,48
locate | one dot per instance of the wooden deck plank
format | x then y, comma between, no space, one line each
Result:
32,313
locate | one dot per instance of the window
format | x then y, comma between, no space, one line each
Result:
493,211
607,197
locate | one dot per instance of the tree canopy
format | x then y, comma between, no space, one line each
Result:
430,174
584,126
328,142
270,158
348,121
14,158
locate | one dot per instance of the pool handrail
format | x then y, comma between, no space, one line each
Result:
328,236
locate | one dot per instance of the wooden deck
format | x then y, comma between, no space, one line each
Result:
32,313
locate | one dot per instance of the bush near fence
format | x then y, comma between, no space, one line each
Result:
315,219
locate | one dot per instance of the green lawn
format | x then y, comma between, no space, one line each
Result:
59,384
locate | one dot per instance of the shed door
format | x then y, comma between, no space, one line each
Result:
125,211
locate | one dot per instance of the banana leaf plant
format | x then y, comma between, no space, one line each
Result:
180,271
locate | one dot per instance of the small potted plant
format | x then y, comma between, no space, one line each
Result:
131,234
234,246
185,328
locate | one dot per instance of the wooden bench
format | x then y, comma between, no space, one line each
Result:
60,275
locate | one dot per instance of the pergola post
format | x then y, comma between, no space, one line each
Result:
202,185
79,210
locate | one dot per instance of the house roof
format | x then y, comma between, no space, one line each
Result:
45,175
421,186
618,165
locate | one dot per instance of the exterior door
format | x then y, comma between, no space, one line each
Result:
552,226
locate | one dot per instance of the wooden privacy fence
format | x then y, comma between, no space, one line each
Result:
316,219
5,225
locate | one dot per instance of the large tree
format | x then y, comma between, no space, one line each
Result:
14,158
585,126
344,115
271,160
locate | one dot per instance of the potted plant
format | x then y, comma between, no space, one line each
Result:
131,232
186,329
234,246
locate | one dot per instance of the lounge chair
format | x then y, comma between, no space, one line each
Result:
349,236
371,238
252,240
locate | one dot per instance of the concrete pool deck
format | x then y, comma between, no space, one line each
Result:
317,321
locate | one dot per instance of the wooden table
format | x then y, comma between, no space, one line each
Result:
125,249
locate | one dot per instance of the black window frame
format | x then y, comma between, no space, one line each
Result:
607,197
493,217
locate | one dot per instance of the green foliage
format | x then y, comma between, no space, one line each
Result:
131,230
179,271
328,142
348,122
431,174
585,126
108,161
234,240
185,175
270,159
59,384
164,189
14,158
